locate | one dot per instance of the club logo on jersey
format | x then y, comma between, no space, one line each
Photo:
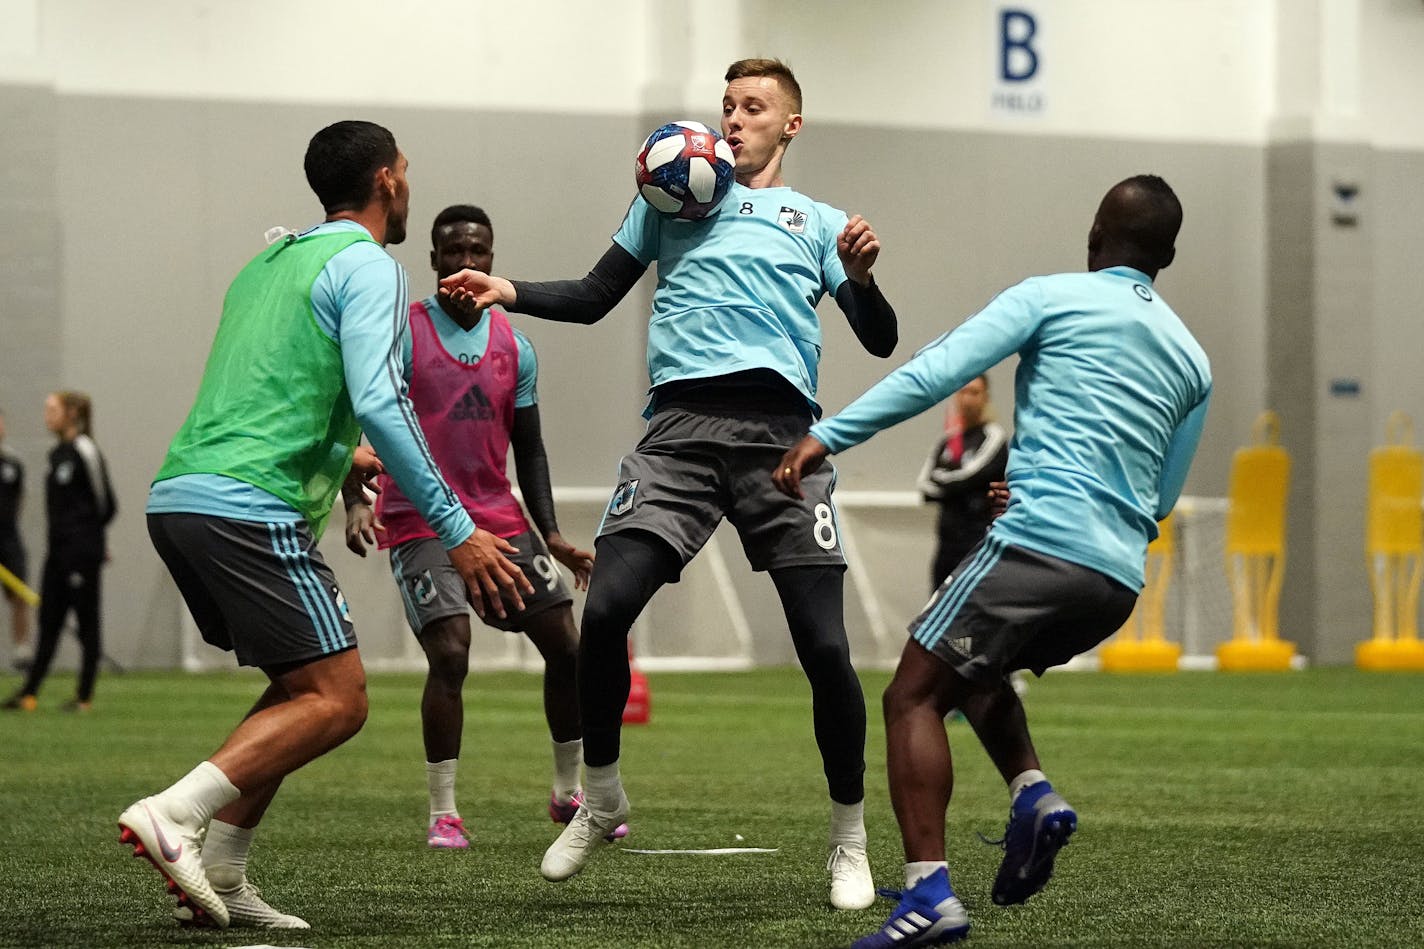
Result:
622,501
1142,292
503,366
793,220
474,406
422,588
64,472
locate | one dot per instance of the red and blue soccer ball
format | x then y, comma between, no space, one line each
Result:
685,169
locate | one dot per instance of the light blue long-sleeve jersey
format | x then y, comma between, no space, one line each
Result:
359,300
738,290
1111,394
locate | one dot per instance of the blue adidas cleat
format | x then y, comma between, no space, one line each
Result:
929,914
1040,823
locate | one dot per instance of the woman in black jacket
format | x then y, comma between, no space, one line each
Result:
973,451
80,503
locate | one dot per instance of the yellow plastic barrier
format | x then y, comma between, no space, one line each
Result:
1256,552
8,579
1394,542
1142,645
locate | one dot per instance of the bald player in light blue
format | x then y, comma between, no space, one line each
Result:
1111,394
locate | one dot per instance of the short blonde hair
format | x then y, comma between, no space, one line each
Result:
776,69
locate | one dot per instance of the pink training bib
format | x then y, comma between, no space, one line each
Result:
466,413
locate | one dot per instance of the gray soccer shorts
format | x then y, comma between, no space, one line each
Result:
691,469
432,589
1006,608
259,590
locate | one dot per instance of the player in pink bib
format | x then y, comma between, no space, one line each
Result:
473,385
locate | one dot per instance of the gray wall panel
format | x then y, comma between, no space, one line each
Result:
31,300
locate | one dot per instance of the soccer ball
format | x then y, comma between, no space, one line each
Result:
685,169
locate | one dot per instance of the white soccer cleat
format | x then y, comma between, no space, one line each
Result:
851,883
248,910
175,850
587,832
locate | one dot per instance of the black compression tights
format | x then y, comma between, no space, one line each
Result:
633,565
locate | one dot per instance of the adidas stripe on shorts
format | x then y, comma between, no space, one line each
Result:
1006,608
256,589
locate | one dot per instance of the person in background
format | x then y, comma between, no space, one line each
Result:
966,460
474,388
12,549
80,504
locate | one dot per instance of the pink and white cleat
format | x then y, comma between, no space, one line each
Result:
447,833
563,812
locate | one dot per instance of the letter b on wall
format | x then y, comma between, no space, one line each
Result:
1018,61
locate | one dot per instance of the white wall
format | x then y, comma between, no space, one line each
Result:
1180,70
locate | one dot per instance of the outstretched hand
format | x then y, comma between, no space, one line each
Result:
490,576
858,248
473,289
804,458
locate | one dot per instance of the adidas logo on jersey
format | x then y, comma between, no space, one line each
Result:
474,406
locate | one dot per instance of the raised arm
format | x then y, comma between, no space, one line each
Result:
870,315
567,301
936,371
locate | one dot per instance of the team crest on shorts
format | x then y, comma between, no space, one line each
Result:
793,220
342,606
422,588
622,501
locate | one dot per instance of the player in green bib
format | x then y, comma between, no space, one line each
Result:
312,349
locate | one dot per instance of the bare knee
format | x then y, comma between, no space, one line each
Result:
346,708
897,701
447,651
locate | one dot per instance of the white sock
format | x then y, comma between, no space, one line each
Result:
440,776
194,798
848,824
568,759
225,854
1031,776
602,787
915,872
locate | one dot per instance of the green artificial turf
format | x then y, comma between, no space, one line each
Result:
1215,810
